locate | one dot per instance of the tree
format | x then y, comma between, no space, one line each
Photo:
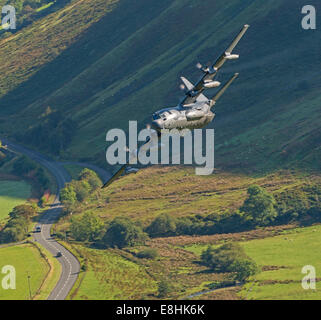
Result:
229,257
91,177
82,189
123,233
163,225
244,269
68,195
220,259
15,230
87,227
259,207
23,210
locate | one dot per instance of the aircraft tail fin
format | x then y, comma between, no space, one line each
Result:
187,83
220,93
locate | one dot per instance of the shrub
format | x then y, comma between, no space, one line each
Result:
244,269
123,233
91,177
148,253
86,228
229,257
23,210
82,189
68,195
164,225
259,207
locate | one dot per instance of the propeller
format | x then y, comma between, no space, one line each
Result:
199,65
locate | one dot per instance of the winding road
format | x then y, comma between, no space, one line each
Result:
70,264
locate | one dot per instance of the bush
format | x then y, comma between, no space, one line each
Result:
244,269
229,257
148,253
259,207
23,210
82,189
91,177
123,233
163,226
86,228
17,227
68,195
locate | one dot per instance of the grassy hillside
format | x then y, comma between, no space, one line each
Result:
12,193
105,62
179,192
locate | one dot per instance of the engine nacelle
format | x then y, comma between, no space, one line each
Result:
229,56
194,114
211,84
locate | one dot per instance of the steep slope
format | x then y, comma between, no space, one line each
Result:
102,65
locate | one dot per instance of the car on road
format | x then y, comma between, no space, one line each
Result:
38,229
58,254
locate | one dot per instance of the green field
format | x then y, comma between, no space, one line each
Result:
288,254
12,193
281,259
24,258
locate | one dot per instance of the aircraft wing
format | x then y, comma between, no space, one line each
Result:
227,55
115,176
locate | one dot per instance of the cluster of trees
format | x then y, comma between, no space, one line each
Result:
259,209
119,233
23,166
79,190
122,232
18,226
57,130
230,257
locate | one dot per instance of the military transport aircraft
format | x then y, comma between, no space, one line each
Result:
195,109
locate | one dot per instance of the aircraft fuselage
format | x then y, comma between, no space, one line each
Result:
195,117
